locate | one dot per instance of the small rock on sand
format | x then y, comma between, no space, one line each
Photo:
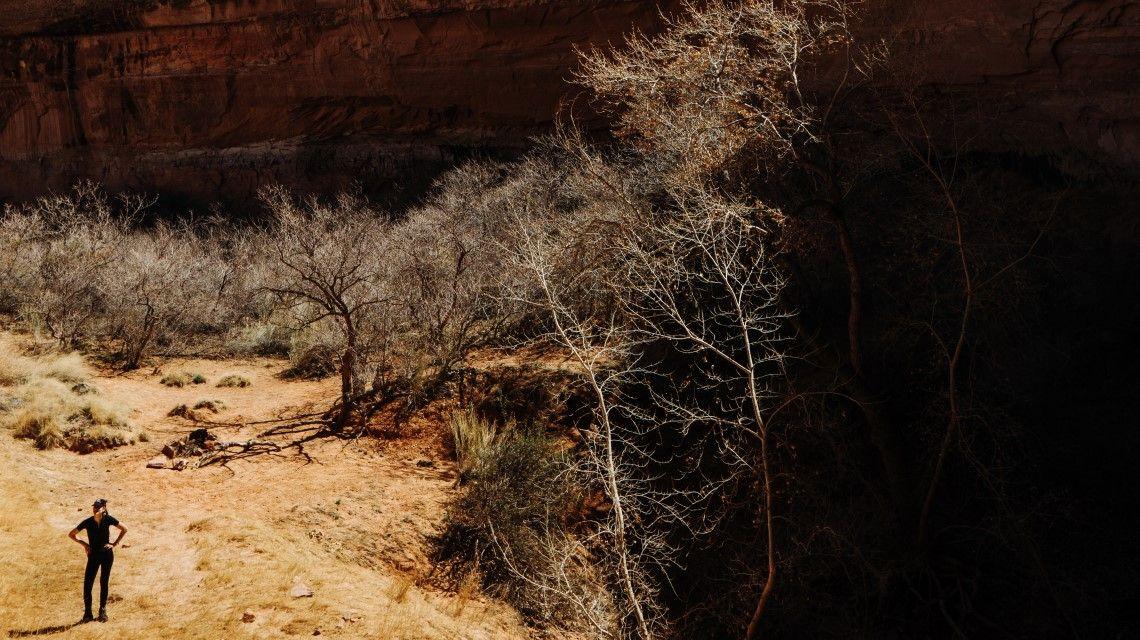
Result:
157,463
301,590
247,617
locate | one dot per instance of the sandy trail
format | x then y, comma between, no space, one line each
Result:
207,546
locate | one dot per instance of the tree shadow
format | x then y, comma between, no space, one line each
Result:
42,631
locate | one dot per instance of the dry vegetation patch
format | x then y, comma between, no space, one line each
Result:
50,400
182,379
234,381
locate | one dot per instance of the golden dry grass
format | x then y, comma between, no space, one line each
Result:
208,546
50,401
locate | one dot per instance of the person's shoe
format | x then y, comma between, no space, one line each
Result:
102,616
87,617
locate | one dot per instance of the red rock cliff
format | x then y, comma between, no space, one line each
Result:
209,98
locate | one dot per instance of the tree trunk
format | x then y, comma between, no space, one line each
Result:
769,525
347,362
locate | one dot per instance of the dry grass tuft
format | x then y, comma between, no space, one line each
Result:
181,411
182,379
52,404
472,437
235,381
213,406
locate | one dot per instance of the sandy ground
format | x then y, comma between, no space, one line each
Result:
207,547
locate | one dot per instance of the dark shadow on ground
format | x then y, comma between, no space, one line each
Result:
42,631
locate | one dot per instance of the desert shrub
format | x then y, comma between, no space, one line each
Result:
311,362
180,411
234,380
260,338
20,231
161,284
511,526
446,259
314,352
213,406
90,271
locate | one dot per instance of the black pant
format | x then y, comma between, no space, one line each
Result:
98,559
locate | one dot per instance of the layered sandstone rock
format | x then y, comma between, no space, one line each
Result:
210,98
1054,77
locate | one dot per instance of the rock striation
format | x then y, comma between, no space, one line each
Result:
209,99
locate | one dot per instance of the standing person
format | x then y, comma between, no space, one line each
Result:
100,554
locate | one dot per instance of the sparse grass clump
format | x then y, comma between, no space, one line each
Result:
180,411
509,527
52,405
472,438
235,381
213,406
182,379
16,368
188,412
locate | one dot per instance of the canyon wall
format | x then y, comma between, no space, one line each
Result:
207,99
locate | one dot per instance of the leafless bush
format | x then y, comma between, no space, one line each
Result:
445,259
73,238
724,81
88,270
599,346
163,282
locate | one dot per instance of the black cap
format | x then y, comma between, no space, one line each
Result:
100,502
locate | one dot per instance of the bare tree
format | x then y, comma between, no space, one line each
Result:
599,346
330,259
704,279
